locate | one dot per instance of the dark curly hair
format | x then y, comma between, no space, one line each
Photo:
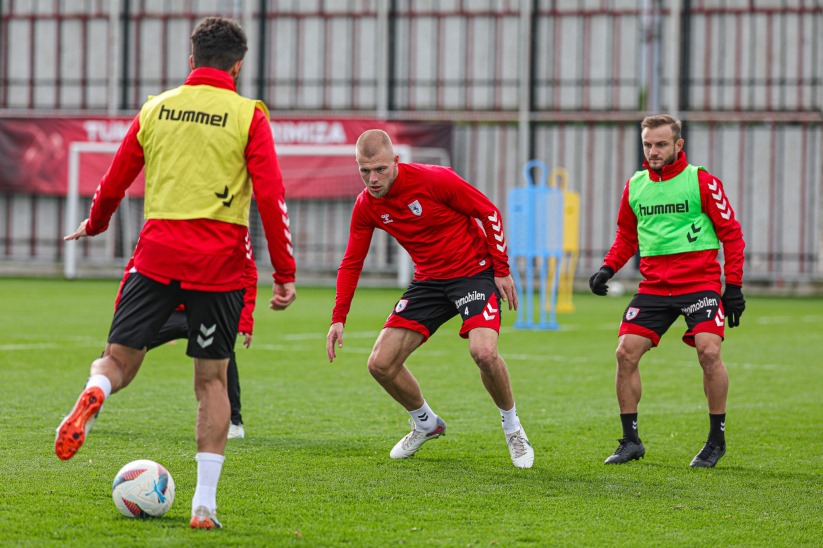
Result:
218,43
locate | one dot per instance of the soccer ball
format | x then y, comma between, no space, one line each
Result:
616,289
142,489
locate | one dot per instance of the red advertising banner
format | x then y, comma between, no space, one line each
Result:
316,155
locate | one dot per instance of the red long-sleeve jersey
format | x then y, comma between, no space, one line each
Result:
432,213
203,254
681,273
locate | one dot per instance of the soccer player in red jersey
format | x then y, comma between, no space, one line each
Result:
205,149
177,327
677,215
461,269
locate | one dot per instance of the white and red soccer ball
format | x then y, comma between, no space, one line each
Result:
142,489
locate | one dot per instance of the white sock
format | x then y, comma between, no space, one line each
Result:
102,382
424,418
209,466
511,422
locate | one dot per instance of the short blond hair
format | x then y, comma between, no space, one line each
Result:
372,142
660,120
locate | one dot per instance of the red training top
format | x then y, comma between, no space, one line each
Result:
681,273
432,212
203,254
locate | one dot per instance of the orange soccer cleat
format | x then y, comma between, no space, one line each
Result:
203,518
72,431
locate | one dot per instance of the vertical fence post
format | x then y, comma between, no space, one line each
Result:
673,43
113,56
124,55
247,76
524,111
383,62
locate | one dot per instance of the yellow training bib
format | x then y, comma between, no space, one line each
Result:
194,140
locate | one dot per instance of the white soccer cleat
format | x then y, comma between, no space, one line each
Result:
520,449
409,445
236,431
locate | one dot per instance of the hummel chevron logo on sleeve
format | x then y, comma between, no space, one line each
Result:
494,219
497,226
285,217
720,200
248,245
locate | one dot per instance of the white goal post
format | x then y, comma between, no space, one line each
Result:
130,223
73,198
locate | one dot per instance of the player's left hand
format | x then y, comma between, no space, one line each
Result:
733,304
597,283
246,338
284,295
79,233
508,293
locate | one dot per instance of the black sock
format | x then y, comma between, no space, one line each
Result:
717,429
629,421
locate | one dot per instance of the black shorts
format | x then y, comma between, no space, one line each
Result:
145,306
651,315
428,304
176,327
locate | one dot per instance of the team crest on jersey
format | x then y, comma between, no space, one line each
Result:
401,306
632,313
416,208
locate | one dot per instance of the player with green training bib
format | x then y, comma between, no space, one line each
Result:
676,215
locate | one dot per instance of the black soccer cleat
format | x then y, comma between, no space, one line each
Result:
708,456
626,451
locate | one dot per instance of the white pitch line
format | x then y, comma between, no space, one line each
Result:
7,347
770,320
321,336
51,345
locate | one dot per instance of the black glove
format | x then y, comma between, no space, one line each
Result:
597,282
733,304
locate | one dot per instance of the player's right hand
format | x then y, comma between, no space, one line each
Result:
284,295
79,233
335,337
597,282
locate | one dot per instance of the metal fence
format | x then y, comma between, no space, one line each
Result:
560,80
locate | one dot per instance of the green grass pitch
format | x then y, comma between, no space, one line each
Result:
315,470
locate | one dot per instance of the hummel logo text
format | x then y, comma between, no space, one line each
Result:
194,116
659,209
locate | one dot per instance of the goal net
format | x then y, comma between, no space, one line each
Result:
321,183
